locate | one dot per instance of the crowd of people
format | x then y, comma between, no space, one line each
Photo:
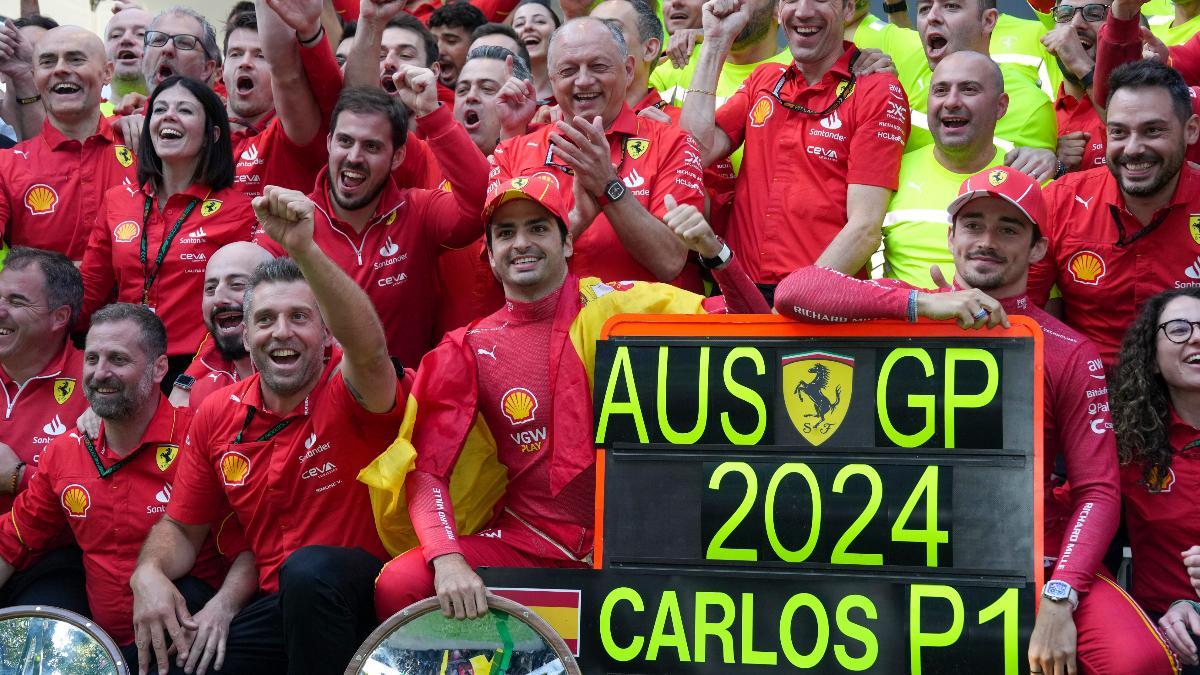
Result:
297,327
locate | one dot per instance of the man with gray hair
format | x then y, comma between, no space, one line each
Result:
180,41
618,167
124,42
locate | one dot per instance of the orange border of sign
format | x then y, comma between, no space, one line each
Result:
771,326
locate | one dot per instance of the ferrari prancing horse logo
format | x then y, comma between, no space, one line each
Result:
816,389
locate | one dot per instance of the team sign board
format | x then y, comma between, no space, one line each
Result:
774,496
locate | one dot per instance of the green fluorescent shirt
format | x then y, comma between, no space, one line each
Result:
915,226
1017,44
1161,27
1159,8
672,83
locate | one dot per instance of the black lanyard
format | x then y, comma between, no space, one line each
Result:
268,435
1121,240
105,472
571,172
847,89
162,250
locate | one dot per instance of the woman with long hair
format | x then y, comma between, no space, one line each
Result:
535,22
1156,415
152,241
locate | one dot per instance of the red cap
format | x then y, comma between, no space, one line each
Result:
541,188
1008,184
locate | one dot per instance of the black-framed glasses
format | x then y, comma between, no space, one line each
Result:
1178,331
847,88
1093,11
185,42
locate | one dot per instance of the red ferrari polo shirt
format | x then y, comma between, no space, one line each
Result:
41,409
110,516
295,488
211,371
198,220
52,187
1105,262
652,159
790,200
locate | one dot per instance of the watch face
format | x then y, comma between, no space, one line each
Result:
614,190
1057,590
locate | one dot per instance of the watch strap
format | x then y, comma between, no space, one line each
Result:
605,197
718,261
893,7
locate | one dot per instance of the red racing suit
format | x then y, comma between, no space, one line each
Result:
1080,518
522,376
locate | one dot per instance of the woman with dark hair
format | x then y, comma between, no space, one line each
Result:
535,22
1156,415
151,242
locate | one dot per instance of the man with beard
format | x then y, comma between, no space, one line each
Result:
40,370
452,25
1120,234
522,374
110,491
618,166
222,358
388,39
385,237
823,144
124,40
757,43
1085,619
178,41
283,449
966,97
51,186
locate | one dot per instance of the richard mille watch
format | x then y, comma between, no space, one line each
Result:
1060,591
613,191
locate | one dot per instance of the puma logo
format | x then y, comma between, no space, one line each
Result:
1087,203
486,352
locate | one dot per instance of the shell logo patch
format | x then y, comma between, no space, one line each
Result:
762,111
1087,268
41,199
996,177
234,468
124,155
76,500
636,147
126,231
519,405
210,206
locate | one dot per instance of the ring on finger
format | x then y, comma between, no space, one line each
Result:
982,313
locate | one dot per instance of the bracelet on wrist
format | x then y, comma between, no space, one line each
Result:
308,42
29,99
16,478
701,91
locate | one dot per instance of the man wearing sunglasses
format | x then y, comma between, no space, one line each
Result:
1073,43
822,145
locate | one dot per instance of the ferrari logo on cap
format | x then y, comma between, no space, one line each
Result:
124,156
164,456
63,388
519,183
816,389
997,176
636,147
210,206
761,112
1194,226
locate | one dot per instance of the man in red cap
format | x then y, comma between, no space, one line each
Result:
995,236
521,373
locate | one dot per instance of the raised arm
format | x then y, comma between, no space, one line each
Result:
723,20
16,65
287,217
740,295
282,25
362,63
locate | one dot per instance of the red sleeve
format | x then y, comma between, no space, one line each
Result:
676,177
495,10
6,183
324,78
877,145
432,514
36,518
1043,274
1119,41
740,295
446,399
1186,59
1086,439
821,295
413,171
343,398
457,216
731,117
1042,6
228,538
197,498
99,280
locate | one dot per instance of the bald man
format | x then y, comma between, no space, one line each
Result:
124,39
966,99
51,185
222,358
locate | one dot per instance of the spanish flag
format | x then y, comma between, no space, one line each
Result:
559,608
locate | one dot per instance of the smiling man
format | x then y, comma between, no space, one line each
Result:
1085,620
124,41
452,25
52,186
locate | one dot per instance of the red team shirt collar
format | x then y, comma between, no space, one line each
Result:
55,139
162,429
1185,190
390,200
194,191
55,367
249,392
839,72
1180,433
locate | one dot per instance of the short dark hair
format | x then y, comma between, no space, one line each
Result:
497,53
409,22
37,20
243,19
1148,73
367,100
349,30
274,271
457,14
487,230
153,335
239,7
500,29
648,24
216,168
64,285
544,3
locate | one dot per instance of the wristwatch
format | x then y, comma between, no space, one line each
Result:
1086,80
893,7
1057,590
613,191
718,261
185,381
